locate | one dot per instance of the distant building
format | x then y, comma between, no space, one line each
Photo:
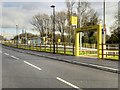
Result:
1,38
34,41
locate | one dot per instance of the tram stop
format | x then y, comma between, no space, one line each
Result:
97,28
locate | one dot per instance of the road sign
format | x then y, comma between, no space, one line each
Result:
87,28
74,20
59,40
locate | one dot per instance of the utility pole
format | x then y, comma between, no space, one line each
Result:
104,39
119,26
26,37
79,15
104,32
17,35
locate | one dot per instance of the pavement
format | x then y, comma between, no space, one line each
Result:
22,70
106,65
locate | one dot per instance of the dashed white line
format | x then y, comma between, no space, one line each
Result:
14,57
6,54
32,65
67,83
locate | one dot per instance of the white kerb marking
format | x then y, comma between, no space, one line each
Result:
103,67
32,65
6,54
67,83
14,57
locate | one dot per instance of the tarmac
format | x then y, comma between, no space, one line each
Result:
101,64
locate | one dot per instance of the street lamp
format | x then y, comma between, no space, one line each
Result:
53,28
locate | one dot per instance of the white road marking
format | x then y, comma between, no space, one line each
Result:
103,67
14,57
97,66
6,54
0,51
32,65
67,83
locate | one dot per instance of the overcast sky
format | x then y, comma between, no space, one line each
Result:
21,13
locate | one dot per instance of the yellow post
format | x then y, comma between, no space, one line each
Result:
99,43
76,43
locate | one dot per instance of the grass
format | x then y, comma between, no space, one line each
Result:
112,57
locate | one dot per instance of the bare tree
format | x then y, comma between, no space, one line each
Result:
60,20
69,5
40,23
115,24
86,15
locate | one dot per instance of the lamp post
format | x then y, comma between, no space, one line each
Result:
53,28
16,35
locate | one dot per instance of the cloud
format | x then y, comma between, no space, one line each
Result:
13,16
56,0
0,14
18,13
24,5
21,13
33,0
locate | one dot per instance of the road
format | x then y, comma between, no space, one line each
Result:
20,70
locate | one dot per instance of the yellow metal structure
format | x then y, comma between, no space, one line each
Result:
98,28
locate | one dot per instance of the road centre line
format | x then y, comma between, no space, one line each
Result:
14,57
67,83
6,54
32,65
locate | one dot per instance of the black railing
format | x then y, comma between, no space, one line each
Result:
110,52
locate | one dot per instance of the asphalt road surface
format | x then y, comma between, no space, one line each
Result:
20,70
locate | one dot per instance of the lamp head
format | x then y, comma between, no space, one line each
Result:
52,6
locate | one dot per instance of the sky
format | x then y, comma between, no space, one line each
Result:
20,12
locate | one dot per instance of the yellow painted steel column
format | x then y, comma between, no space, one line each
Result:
76,43
99,41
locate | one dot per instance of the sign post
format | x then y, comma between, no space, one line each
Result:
74,21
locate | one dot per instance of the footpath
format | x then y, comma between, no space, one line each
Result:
106,65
